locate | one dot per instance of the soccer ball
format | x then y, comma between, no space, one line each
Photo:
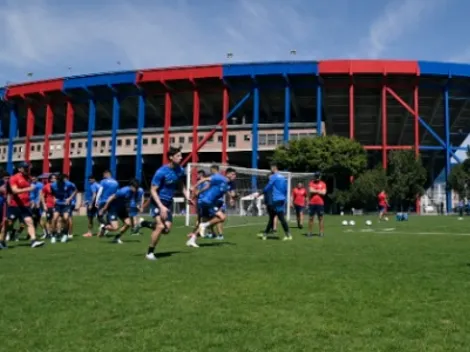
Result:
386,219
368,222
352,223
345,223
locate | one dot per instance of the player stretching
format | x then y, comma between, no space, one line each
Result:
19,208
116,207
136,206
383,205
164,184
63,192
109,186
317,190
90,202
209,201
299,199
277,190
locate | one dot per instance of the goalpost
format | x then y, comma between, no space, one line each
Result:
246,209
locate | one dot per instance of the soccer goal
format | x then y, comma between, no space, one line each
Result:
246,209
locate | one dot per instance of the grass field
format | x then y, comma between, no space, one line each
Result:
401,287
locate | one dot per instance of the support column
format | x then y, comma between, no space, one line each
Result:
114,130
384,126
351,111
140,128
89,150
319,110
47,134
11,137
196,115
29,131
166,127
286,113
447,149
254,137
225,107
70,115
416,130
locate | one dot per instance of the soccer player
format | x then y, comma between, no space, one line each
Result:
299,199
116,208
209,202
167,179
48,204
63,191
3,207
109,186
317,190
90,202
277,189
19,207
136,206
35,196
383,204
73,203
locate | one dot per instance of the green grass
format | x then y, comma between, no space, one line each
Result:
401,290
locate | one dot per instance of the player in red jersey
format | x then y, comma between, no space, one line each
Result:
48,204
19,205
317,190
3,207
382,199
299,199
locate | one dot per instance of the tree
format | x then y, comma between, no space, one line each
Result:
332,155
367,186
406,176
459,179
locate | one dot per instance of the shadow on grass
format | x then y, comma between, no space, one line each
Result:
216,244
163,254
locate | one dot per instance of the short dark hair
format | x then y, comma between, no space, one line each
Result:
229,170
91,177
215,167
134,183
201,172
172,151
273,164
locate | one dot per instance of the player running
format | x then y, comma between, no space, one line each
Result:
109,186
317,190
136,206
116,208
299,199
19,207
277,189
382,199
210,201
91,194
167,179
63,191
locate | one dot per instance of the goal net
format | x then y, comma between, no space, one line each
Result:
247,209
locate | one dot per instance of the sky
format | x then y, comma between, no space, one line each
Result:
56,38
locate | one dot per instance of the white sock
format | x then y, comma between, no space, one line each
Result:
205,224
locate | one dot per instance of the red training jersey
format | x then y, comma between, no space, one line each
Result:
299,195
317,199
48,196
382,198
22,199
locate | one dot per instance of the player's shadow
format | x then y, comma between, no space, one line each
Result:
125,241
216,244
163,254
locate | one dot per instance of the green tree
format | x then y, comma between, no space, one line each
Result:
459,179
367,186
334,156
406,177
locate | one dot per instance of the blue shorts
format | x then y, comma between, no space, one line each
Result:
62,209
382,208
71,209
115,213
208,211
133,211
299,209
19,213
91,212
318,210
155,211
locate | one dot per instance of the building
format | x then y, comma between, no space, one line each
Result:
235,113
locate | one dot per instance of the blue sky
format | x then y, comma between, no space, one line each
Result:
47,37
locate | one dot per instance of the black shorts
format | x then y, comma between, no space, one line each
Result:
318,210
19,213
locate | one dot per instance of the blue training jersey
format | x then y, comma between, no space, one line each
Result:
74,199
123,197
62,191
277,186
3,196
137,199
219,185
167,180
92,192
35,194
109,186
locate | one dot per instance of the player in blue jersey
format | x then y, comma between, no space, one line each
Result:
109,186
116,207
136,206
63,192
209,202
90,203
277,190
73,204
167,180
35,197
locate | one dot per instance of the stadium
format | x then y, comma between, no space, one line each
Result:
237,114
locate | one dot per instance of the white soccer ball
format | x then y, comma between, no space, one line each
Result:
345,223
368,222
342,213
386,219
352,222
